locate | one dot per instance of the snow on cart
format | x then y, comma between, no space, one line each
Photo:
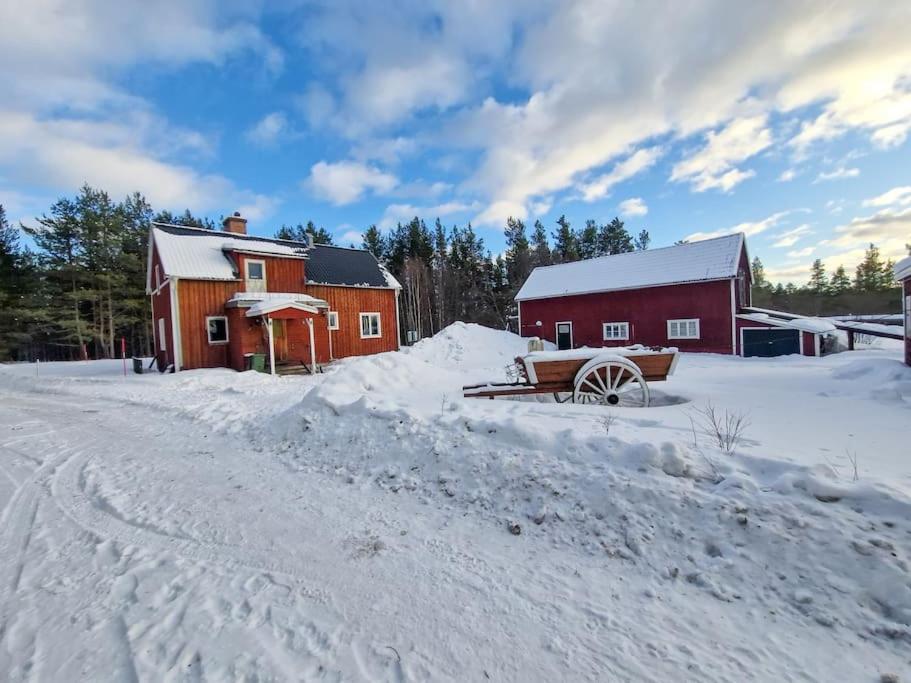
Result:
613,377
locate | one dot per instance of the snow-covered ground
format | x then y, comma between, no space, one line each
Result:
220,526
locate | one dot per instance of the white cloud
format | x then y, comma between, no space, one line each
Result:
713,166
399,213
889,229
787,175
789,238
801,253
748,228
635,163
897,196
268,129
355,237
838,174
345,182
634,206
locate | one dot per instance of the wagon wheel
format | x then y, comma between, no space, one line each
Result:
562,397
614,382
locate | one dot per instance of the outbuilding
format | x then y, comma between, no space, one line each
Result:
903,276
694,296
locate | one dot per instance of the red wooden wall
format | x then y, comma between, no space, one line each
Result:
350,302
161,308
196,300
647,311
282,274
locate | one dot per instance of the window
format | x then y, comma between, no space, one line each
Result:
370,325
255,275
615,331
333,320
217,329
683,329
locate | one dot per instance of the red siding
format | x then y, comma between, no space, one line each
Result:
161,308
282,274
196,300
647,311
906,287
350,302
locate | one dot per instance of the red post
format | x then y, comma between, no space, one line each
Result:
123,354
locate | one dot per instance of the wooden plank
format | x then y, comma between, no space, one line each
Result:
349,303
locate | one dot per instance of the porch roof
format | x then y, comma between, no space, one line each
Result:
273,305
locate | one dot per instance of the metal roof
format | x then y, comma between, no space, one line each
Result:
713,259
199,254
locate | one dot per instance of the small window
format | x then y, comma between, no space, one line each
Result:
613,331
370,325
217,329
683,329
333,320
255,275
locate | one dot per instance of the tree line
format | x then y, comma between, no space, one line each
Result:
448,274
872,289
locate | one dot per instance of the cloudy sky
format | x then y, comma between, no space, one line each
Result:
786,120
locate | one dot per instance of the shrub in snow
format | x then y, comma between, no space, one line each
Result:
725,429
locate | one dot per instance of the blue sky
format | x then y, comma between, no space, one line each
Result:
688,119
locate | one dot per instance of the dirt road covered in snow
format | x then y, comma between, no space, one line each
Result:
210,528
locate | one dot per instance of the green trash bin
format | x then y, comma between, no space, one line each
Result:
258,362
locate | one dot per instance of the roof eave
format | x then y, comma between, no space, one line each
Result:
519,296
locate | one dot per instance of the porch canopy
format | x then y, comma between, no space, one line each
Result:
280,306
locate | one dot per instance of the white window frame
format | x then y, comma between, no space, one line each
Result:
162,337
572,341
209,332
332,319
379,325
248,279
621,327
686,323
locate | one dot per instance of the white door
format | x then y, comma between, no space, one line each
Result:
255,275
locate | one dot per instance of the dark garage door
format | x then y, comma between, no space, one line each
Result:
770,342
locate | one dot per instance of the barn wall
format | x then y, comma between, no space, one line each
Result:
196,300
282,274
161,308
746,323
350,302
647,311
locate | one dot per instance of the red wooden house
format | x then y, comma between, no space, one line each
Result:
693,296
903,275
219,297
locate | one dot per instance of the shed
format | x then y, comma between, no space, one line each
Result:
903,276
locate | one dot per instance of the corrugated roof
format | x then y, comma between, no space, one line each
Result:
198,254
713,259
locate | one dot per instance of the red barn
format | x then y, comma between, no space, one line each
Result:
219,297
903,275
693,296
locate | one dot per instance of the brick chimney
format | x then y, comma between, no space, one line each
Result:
235,224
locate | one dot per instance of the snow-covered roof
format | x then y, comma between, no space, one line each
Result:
713,259
242,298
813,325
903,269
276,304
199,254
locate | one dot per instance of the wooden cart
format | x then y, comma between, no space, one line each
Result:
614,377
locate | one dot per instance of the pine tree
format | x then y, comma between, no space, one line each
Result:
643,240
818,283
186,219
588,240
759,279
518,253
888,275
840,282
540,254
566,247
614,239
10,292
302,233
868,276
374,242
